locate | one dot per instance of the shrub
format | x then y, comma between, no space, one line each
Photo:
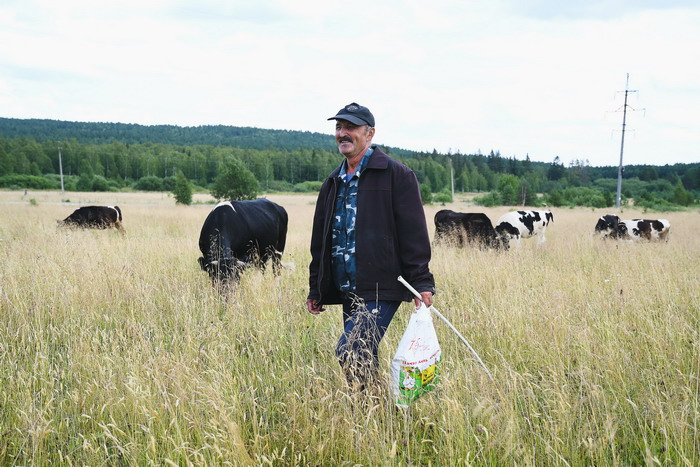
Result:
169,183
308,187
443,197
489,200
84,182
149,183
27,181
99,183
280,185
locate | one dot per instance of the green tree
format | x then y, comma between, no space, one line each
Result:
681,195
557,170
426,193
648,173
182,190
235,182
509,190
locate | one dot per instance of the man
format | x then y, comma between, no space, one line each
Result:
369,227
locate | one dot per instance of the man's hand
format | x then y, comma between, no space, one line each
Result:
314,307
427,299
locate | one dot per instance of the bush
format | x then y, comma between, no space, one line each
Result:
489,200
308,187
443,197
555,198
99,183
169,183
149,183
27,181
280,185
84,182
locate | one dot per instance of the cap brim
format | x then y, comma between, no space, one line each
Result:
349,118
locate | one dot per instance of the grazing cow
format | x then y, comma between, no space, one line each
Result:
524,224
471,228
95,217
236,233
611,226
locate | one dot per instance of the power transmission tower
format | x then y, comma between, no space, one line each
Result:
620,168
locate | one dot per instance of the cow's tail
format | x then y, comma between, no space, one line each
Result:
119,213
549,216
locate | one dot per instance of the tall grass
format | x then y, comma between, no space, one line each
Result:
117,350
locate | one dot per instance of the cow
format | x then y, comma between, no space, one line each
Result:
517,224
611,226
468,228
95,217
238,233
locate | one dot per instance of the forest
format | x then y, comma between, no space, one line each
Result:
116,156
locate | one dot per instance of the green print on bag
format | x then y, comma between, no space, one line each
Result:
413,382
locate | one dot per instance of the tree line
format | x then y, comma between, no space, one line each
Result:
109,156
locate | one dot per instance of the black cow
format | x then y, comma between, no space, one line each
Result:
611,226
468,228
236,233
95,217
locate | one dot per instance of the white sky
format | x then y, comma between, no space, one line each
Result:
537,77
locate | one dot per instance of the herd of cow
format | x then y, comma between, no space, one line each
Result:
476,228
236,234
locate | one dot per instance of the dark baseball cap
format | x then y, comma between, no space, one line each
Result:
356,114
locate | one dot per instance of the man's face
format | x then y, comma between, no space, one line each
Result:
352,139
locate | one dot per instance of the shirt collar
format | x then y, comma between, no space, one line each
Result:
363,163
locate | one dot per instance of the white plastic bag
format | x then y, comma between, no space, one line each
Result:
415,368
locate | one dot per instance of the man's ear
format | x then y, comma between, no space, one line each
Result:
370,134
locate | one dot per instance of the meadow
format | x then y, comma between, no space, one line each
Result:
117,350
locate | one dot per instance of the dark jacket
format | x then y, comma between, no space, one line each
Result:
392,235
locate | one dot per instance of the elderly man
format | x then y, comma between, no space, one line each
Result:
369,227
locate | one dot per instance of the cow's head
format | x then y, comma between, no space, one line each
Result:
223,269
501,242
610,226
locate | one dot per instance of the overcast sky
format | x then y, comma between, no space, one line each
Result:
535,77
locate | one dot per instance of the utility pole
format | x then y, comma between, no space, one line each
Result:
60,168
621,169
452,179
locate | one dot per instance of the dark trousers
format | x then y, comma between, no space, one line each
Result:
358,347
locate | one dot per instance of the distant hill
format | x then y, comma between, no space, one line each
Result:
208,135
127,133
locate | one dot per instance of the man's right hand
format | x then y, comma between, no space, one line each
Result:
314,307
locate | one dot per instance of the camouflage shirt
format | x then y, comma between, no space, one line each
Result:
343,240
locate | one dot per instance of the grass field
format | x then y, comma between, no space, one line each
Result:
117,350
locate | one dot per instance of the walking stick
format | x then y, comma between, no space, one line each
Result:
439,315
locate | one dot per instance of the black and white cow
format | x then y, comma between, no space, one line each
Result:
468,228
95,217
236,233
517,224
611,226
